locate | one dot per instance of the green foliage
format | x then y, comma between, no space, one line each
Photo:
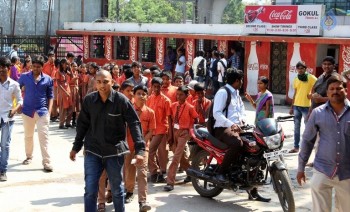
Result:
149,11
233,13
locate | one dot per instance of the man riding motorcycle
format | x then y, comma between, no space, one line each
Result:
227,125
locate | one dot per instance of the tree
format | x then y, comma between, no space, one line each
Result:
149,11
233,13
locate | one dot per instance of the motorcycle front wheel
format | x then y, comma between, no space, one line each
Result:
283,188
203,187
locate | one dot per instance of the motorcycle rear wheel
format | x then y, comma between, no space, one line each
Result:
203,187
283,187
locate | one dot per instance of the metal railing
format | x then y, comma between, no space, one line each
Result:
28,45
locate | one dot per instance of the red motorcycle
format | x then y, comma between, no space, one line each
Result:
262,155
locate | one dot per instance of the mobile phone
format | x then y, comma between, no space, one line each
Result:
10,115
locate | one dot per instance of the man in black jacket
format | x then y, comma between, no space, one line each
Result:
101,128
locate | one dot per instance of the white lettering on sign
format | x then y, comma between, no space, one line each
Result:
284,15
160,46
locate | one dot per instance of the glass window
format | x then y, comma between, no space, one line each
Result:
98,47
121,47
148,49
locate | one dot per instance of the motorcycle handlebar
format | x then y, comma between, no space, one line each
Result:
285,118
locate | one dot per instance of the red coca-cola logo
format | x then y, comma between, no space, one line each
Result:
272,14
283,15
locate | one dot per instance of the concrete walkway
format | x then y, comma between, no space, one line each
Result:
30,189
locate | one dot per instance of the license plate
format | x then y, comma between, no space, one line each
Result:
275,154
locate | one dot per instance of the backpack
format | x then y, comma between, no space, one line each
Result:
210,118
225,67
200,68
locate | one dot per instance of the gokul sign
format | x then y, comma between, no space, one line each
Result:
284,20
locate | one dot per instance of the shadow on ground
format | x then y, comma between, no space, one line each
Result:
59,202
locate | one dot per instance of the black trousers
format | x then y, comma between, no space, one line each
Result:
232,139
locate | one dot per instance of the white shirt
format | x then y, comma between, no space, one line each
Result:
13,53
195,64
221,69
236,110
181,68
211,65
8,90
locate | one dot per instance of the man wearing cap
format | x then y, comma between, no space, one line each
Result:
301,102
190,99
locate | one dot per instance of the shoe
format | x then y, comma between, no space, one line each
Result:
63,127
180,170
311,164
161,178
108,197
68,125
27,161
187,179
74,124
129,197
3,176
221,178
168,187
154,178
255,195
144,207
101,207
48,167
294,150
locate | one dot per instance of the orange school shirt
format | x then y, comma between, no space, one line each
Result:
148,122
190,99
186,114
170,92
204,105
48,68
162,109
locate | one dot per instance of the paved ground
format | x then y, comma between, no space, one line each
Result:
30,189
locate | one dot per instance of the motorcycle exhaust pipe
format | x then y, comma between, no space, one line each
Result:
200,175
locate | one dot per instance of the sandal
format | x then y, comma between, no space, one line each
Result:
109,196
27,161
311,164
294,150
101,207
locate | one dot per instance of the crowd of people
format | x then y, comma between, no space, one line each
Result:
128,118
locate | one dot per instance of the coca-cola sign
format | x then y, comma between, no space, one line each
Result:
272,14
283,20
285,15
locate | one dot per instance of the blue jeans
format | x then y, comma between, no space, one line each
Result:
94,166
6,129
299,112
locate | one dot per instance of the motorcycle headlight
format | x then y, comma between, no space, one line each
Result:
273,141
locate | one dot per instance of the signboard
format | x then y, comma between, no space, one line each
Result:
190,48
284,20
160,43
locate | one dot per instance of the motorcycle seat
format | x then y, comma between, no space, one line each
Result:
203,133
